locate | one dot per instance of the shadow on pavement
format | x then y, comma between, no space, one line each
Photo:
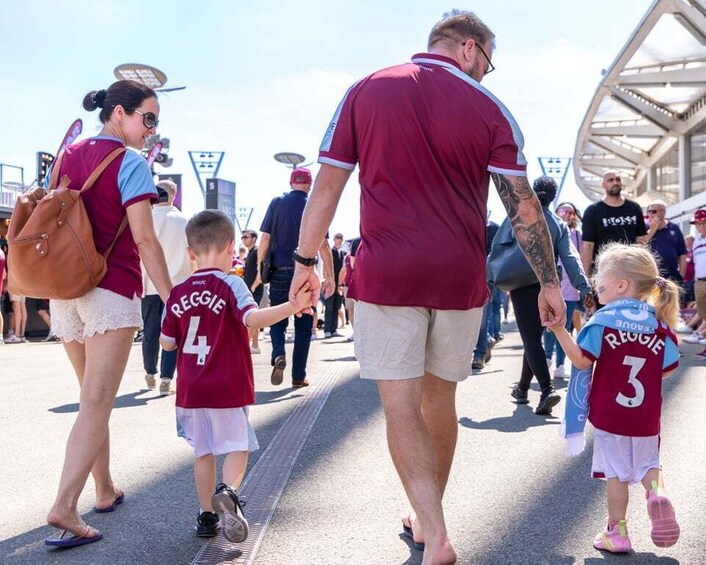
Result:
522,419
349,358
270,396
124,401
643,558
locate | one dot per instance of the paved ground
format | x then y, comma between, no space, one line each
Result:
513,498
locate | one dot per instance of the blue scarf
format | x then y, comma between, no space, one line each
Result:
631,315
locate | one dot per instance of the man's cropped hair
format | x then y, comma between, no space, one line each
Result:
458,26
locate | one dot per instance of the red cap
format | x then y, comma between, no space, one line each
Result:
699,216
300,176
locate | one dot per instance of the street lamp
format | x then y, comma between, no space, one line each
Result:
290,159
144,74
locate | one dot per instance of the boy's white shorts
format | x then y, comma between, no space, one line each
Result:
625,458
216,431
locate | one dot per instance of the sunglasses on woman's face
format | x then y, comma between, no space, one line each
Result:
149,119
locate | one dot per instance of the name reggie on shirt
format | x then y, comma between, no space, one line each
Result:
653,342
203,298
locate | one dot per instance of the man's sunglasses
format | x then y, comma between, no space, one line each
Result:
149,119
653,211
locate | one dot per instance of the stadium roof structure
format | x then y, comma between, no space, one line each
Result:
652,95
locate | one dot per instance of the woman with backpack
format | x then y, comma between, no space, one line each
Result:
97,329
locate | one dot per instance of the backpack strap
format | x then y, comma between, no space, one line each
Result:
101,167
90,181
121,229
54,178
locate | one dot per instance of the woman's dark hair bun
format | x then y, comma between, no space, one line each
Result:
94,99
545,187
126,93
100,98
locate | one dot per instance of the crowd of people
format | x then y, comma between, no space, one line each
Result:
203,299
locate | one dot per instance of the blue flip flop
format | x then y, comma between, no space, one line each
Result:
408,532
67,539
112,508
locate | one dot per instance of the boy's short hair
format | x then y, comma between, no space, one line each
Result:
209,229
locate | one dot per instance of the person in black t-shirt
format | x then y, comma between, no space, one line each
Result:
252,279
614,218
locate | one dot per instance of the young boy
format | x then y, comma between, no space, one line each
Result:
207,318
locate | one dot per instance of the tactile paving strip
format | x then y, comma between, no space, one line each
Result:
265,482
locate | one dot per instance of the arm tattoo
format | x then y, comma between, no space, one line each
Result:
527,220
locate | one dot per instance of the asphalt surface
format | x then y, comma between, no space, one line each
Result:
513,498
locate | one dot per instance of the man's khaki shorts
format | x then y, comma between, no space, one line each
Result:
404,342
700,295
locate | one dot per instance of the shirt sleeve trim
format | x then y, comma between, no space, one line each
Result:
249,310
337,163
140,197
511,172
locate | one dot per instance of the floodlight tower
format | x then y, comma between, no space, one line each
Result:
557,168
206,165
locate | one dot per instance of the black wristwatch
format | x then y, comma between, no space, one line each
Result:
308,262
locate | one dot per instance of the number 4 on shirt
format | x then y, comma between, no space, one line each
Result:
196,344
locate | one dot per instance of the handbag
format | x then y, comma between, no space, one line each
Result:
507,267
52,254
266,264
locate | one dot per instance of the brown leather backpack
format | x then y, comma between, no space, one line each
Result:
50,240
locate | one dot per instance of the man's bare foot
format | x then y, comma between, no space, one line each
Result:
108,499
413,530
444,555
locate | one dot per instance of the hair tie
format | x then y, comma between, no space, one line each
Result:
99,98
661,283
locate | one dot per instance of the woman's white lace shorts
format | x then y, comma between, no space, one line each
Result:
95,312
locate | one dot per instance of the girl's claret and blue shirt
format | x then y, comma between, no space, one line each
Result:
622,395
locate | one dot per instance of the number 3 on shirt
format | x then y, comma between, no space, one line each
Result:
635,363
196,344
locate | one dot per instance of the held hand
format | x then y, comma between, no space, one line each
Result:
302,299
588,303
552,308
328,286
305,276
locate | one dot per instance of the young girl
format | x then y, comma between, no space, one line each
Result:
631,348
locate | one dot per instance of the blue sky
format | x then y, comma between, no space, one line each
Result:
266,77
